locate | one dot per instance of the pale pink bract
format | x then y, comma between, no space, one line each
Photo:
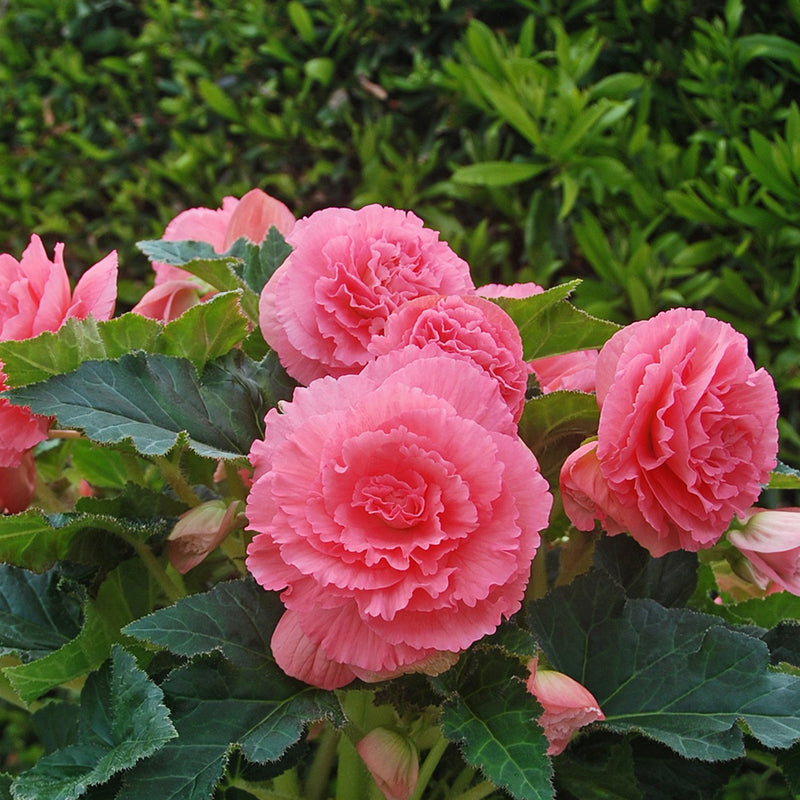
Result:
399,511
687,436
348,271
464,326
35,297
567,705
770,540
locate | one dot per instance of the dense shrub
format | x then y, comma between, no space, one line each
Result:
649,148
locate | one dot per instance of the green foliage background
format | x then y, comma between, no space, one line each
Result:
649,148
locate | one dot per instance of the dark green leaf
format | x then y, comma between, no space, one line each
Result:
178,254
597,767
38,612
669,580
152,400
237,618
490,713
123,720
680,677
784,642
789,762
215,707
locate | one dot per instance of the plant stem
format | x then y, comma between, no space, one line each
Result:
320,770
259,791
177,482
483,789
429,765
352,776
57,433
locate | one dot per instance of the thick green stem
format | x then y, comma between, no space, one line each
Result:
319,772
483,789
352,780
429,765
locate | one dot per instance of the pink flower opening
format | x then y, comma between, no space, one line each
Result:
687,436
464,326
399,513
347,272
567,705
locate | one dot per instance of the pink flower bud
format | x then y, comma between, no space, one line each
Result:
198,532
392,760
567,705
771,542
255,214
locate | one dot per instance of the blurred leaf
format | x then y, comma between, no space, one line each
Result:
123,720
217,707
217,99
667,673
497,173
490,714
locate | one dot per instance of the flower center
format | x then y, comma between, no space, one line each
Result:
397,502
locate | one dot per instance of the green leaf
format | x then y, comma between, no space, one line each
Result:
764,45
218,100
76,341
497,173
121,597
767,611
784,477
179,254
206,331
236,618
216,707
491,715
123,720
555,424
598,767
274,250
667,672
39,613
153,400
549,325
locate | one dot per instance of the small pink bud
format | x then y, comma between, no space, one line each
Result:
198,532
567,705
392,760
770,540
17,484
255,214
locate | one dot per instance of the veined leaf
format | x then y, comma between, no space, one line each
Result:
123,720
236,618
680,677
491,715
216,707
153,400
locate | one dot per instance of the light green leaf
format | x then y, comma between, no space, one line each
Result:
123,720
497,173
218,100
39,358
784,477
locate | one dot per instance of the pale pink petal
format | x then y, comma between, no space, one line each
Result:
392,760
96,290
18,484
168,300
255,214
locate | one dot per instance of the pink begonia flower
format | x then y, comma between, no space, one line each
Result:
770,539
567,705
177,290
199,531
400,512
567,371
348,271
35,297
687,436
18,484
392,760
464,326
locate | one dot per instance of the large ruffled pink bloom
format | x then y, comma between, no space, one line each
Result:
175,290
687,436
399,512
464,326
35,297
348,271
566,371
